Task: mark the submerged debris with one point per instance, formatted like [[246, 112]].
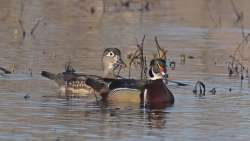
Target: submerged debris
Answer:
[[147, 6], [237, 69], [13, 68], [199, 89], [172, 65], [22, 30], [112, 114], [92, 10], [33, 29], [183, 58], [27, 96], [230, 69], [57, 139], [213, 91], [190, 57], [247, 74], [125, 3]]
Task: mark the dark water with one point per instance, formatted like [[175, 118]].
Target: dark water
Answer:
[[67, 31]]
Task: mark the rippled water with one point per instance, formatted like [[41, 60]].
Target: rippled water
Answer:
[[67, 31]]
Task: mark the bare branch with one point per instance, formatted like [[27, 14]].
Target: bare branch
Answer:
[[236, 11], [157, 45], [211, 16], [22, 30], [21, 8], [35, 27], [161, 52], [138, 57]]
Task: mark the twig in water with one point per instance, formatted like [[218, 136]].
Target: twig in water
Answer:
[[240, 17], [22, 30], [199, 89], [34, 28], [213, 91], [178, 83], [238, 14], [137, 57], [125, 3], [142, 56], [243, 43], [212, 17], [134, 57], [230, 69], [162, 53], [21, 8]]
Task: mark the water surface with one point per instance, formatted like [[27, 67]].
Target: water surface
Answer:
[[68, 31]]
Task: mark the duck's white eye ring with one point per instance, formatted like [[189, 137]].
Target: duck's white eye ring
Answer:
[[111, 54]]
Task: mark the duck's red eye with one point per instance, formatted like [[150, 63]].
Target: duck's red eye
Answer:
[[162, 69]]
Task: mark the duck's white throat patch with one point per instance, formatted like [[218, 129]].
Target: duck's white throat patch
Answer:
[[156, 76]]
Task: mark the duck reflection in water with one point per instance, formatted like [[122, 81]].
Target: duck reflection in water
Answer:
[[157, 119]]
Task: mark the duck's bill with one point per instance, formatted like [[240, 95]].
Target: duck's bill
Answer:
[[163, 74], [162, 70]]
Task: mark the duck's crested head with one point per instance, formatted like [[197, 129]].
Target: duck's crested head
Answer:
[[157, 68], [109, 51], [112, 59]]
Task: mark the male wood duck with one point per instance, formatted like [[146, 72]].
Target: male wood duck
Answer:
[[152, 93], [156, 94], [73, 83]]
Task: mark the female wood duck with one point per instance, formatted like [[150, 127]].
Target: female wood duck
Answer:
[[73, 84], [152, 93]]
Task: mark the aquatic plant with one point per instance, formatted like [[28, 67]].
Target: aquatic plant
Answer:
[[137, 58]]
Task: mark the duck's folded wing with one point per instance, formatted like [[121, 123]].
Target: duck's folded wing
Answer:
[[118, 89], [127, 84], [63, 77], [97, 83]]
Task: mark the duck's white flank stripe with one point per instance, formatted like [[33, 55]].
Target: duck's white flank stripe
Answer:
[[145, 97], [121, 89]]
